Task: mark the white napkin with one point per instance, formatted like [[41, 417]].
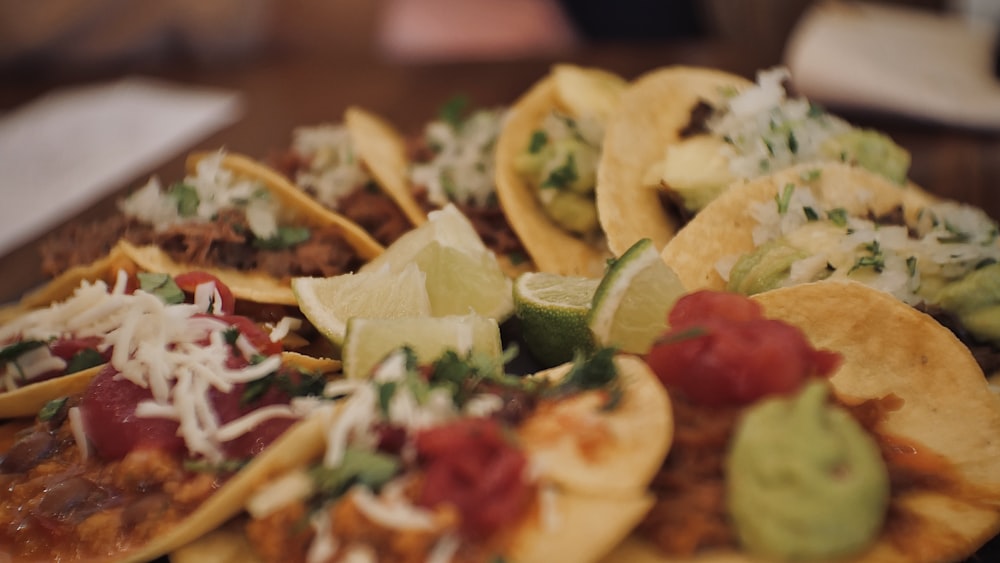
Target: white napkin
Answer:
[[897, 60], [67, 149]]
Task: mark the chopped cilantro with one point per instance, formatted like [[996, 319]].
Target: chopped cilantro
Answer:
[[538, 140], [815, 110], [186, 198], [451, 111], [372, 469], [162, 286], [517, 258], [307, 384], [564, 175], [84, 359], [286, 237], [784, 198], [875, 260], [984, 262], [764, 165], [793, 143], [911, 265], [810, 175], [13, 351], [686, 334], [50, 409], [231, 334], [770, 147], [385, 392], [838, 216], [448, 183], [810, 213], [957, 236]]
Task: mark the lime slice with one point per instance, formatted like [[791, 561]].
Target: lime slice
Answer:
[[368, 341], [447, 226], [553, 310], [459, 282], [463, 275], [328, 303], [630, 306]]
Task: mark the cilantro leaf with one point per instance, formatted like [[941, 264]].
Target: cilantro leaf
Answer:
[[452, 111], [538, 141], [564, 175], [50, 409], [84, 359], [162, 286], [186, 198], [785, 198], [13, 351], [286, 237]]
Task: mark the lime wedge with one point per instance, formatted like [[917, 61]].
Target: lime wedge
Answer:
[[553, 310], [463, 275], [630, 306], [328, 303], [368, 341]]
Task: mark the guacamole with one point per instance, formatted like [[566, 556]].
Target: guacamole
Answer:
[[804, 480]]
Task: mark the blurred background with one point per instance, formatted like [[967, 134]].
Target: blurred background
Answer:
[[69, 35]]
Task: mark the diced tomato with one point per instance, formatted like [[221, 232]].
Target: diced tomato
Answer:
[[66, 348], [232, 405], [470, 465], [723, 352], [257, 336], [190, 281], [108, 412]]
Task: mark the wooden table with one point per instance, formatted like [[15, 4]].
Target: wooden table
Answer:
[[282, 92]]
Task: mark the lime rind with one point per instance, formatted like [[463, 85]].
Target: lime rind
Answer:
[[631, 304], [553, 311]]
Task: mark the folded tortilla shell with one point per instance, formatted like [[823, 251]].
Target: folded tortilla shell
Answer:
[[654, 110], [383, 150], [551, 248], [889, 347], [724, 228], [633, 438]]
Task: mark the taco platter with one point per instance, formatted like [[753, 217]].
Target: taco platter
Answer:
[[546, 159], [230, 216], [738, 486], [467, 495], [686, 133], [825, 294]]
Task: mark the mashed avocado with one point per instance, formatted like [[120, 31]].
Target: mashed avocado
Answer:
[[696, 169], [975, 300], [871, 150], [804, 479], [765, 268]]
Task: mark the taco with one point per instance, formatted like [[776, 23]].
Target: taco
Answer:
[[334, 162], [55, 339], [835, 221], [450, 462], [686, 133], [230, 216], [450, 162], [883, 448], [546, 159], [161, 445]]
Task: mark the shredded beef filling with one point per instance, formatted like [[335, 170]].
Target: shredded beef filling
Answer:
[[225, 242]]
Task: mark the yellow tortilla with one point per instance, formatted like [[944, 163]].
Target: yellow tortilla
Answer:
[[383, 150], [654, 110], [260, 287], [724, 228], [890, 348], [590, 503], [551, 248], [636, 436]]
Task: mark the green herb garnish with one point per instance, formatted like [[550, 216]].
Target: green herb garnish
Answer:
[[785, 198], [205, 466], [13, 351], [810, 175], [162, 286], [838, 216], [793, 143], [875, 260], [185, 197], [810, 213], [564, 175], [84, 359], [372, 469], [50, 409], [451, 111], [538, 140], [286, 237]]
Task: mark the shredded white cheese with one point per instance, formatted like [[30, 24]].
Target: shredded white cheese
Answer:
[[79, 432], [334, 169], [390, 514], [278, 493]]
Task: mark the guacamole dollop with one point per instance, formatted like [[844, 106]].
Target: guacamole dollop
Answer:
[[804, 479]]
